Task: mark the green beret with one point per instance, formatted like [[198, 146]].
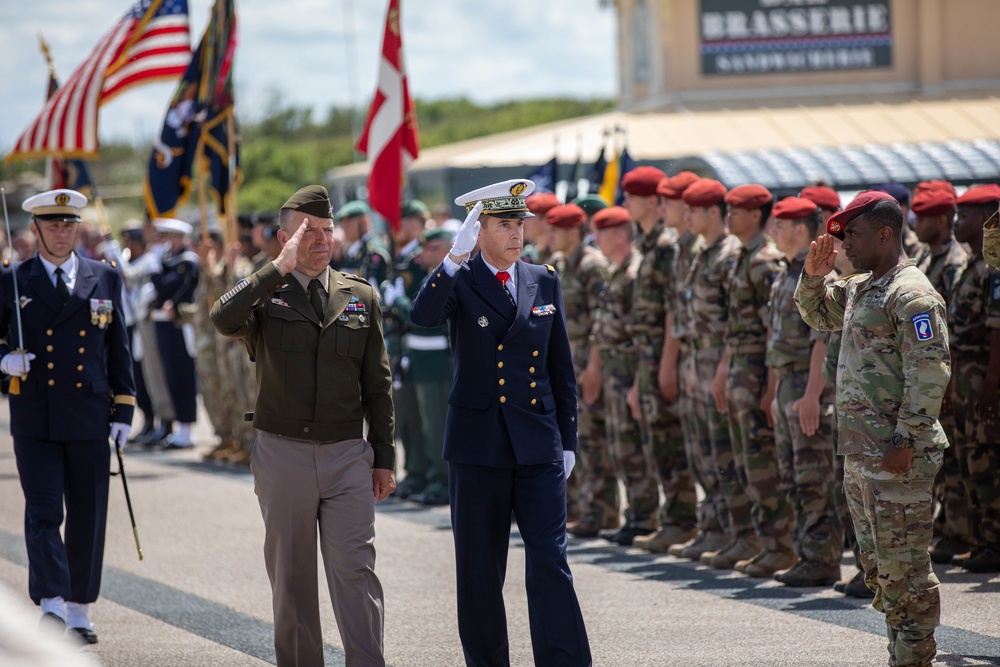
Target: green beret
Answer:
[[352, 209], [591, 204], [434, 235], [414, 208], [311, 200]]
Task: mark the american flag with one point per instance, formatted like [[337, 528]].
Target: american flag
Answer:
[[152, 42]]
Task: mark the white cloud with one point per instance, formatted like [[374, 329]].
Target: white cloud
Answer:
[[487, 50]]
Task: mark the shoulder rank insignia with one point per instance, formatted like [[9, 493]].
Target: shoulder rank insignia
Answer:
[[551, 268]]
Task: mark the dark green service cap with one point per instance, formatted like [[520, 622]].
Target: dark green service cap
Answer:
[[434, 235], [591, 204], [311, 200], [352, 209], [414, 208]]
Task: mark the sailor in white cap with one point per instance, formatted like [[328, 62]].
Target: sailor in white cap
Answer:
[[511, 432], [69, 353]]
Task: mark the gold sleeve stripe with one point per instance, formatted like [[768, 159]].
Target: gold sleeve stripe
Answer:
[[124, 399]]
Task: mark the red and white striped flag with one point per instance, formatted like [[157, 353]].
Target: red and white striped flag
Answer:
[[390, 138], [151, 43]]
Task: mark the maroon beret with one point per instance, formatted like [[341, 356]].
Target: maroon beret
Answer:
[[540, 203], [704, 192], [980, 194], [613, 216], [935, 185], [930, 203], [642, 181], [673, 187], [566, 216], [823, 196], [793, 208], [749, 196], [863, 202]]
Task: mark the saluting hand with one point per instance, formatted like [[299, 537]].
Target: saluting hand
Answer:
[[819, 261], [287, 259], [468, 234]]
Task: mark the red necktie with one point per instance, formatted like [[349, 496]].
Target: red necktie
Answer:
[[503, 277]]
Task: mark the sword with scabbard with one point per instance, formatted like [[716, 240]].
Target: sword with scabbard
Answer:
[[15, 381], [128, 498]]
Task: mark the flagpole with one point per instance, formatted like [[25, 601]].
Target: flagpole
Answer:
[[199, 160], [230, 233]]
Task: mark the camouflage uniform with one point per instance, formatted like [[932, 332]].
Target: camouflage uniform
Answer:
[[243, 370], [214, 378], [893, 369], [758, 266], [592, 492], [973, 316], [942, 268], [706, 297], [911, 243], [662, 434], [991, 242], [618, 357], [367, 258], [804, 461]]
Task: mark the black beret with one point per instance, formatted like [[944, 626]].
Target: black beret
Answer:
[[311, 200]]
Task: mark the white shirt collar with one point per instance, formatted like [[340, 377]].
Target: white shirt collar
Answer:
[[512, 270], [69, 267]]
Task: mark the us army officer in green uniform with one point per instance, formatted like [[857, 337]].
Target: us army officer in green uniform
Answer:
[[322, 372]]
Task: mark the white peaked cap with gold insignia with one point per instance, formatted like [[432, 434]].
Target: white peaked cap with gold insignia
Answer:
[[56, 205], [172, 226], [501, 200]]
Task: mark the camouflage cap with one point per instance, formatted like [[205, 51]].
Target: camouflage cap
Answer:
[[311, 200]]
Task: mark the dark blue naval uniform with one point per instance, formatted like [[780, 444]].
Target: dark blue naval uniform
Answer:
[[79, 382], [177, 282], [512, 412]]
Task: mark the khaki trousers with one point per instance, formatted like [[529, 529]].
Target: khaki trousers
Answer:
[[305, 490]]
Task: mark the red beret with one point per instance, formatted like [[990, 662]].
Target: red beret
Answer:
[[863, 202], [930, 203], [934, 185], [749, 196], [704, 192], [822, 196], [793, 208], [613, 216], [642, 181], [673, 187], [980, 194], [566, 216], [540, 203]]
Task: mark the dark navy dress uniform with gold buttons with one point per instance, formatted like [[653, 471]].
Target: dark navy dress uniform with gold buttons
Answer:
[[512, 413], [176, 282], [79, 382]]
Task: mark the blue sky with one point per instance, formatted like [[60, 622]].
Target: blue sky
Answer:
[[300, 51]]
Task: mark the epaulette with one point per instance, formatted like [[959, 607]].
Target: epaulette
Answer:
[[551, 268], [354, 277], [114, 264]]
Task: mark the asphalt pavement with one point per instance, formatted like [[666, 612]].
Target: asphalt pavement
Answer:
[[201, 597]]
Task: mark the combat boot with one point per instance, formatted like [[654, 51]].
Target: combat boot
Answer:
[[857, 588], [707, 541], [624, 535], [984, 559], [811, 573], [742, 548], [590, 526], [770, 562], [946, 549], [660, 541]]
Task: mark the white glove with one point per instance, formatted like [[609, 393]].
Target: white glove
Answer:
[[569, 460], [394, 290], [159, 250], [120, 432], [468, 233], [16, 363]]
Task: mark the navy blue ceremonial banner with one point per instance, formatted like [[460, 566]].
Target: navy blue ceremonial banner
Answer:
[[625, 165], [545, 177], [595, 177]]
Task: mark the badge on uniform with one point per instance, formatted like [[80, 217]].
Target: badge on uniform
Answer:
[[483, 322], [24, 301], [353, 299], [922, 324], [355, 308], [279, 302], [101, 312], [543, 311]]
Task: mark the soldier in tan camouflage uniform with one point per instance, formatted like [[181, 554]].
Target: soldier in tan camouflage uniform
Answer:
[[614, 229], [657, 413], [974, 323], [803, 407], [583, 271], [746, 391], [706, 296], [893, 370], [942, 261]]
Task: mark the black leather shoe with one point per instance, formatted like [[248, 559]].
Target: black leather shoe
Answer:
[[52, 621], [86, 635], [624, 535]]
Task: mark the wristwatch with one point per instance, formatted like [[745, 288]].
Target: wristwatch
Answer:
[[901, 442]]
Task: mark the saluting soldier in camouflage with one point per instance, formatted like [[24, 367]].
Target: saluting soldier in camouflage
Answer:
[[803, 408], [974, 323], [893, 370], [662, 434], [706, 297], [942, 260], [592, 493], [746, 391], [614, 228], [365, 255]]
